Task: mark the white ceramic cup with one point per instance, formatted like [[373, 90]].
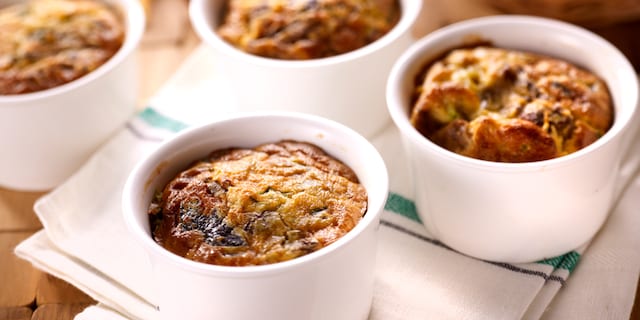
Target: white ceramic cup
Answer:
[[45, 136], [335, 282], [348, 88], [516, 212]]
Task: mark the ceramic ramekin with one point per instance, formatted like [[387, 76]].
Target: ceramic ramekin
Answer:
[[335, 282], [47, 135], [526, 211], [348, 88]]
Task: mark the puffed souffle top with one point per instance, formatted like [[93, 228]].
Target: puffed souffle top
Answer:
[[509, 106], [306, 29], [256, 206], [48, 43]]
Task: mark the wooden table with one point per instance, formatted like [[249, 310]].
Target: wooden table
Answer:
[[27, 293]]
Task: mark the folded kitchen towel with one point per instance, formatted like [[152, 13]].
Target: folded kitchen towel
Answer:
[[85, 242]]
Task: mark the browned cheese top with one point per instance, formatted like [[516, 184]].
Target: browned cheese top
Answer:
[[258, 206], [47, 43], [509, 106], [306, 29]]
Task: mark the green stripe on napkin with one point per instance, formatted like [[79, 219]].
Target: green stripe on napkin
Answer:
[[567, 261], [402, 206], [157, 120]]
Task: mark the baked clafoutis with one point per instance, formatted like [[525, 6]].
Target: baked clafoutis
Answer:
[[257, 206], [306, 29], [505, 105], [48, 43]]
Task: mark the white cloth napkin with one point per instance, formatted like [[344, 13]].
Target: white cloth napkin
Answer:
[[85, 241]]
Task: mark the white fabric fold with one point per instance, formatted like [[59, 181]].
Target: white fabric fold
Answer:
[[85, 241]]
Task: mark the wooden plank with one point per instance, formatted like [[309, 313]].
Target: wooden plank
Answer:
[[146, 4], [18, 278], [167, 41], [16, 210], [52, 290], [15, 313], [158, 64], [167, 22], [58, 311]]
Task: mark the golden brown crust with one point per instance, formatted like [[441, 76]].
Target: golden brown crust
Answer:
[[257, 206], [47, 43], [509, 106], [306, 29]]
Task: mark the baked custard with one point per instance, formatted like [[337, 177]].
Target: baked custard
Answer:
[[47, 43], [268, 204], [306, 29], [510, 106]]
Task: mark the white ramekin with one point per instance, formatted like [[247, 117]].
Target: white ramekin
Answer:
[[526, 211], [46, 135], [348, 88], [335, 282]]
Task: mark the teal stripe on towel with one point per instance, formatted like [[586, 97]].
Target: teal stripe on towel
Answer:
[[157, 120], [402, 206], [567, 261]]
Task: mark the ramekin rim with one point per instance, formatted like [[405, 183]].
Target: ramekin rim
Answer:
[[401, 120], [141, 171]]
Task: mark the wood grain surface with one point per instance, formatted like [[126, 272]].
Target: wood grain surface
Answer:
[[27, 293]]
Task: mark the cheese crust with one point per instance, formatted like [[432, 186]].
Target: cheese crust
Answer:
[[306, 29], [509, 106], [47, 43], [258, 206]]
